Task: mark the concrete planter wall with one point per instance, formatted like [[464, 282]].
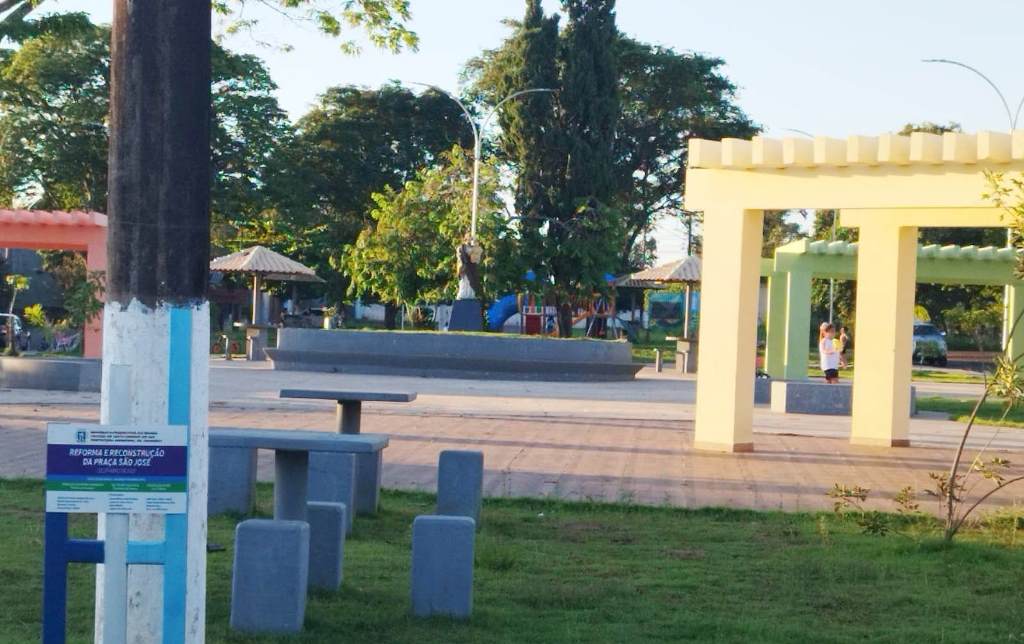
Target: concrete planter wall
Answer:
[[809, 397], [452, 355], [63, 374]]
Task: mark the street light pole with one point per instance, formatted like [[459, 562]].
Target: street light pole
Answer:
[[478, 133], [1012, 118]]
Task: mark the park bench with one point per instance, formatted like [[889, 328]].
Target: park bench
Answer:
[[233, 467], [349, 403]]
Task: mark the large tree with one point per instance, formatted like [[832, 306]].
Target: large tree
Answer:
[[562, 144], [383, 22], [353, 143], [407, 255], [667, 98], [54, 100]]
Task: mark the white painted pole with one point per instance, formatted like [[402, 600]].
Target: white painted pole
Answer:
[[478, 134], [476, 183], [111, 624]]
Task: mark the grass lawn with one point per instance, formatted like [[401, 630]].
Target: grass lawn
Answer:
[[960, 409], [550, 571], [919, 375]]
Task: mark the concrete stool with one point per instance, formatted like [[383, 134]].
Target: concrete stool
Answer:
[[369, 469], [332, 479], [232, 480], [442, 566], [460, 483], [271, 569], [326, 544]]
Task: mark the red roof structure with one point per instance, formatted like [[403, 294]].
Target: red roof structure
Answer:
[[58, 230]]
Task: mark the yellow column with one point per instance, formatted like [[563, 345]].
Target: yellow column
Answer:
[[730, 276], [886, 276]]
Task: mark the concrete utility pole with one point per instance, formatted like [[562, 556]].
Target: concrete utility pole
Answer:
[[156, 318]]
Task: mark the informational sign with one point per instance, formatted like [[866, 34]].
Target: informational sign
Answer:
[[116, 468]]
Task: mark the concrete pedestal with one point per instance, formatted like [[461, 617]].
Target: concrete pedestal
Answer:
[[460, 482], [271, 571], [326, 544], [467, 315], [442, 566]]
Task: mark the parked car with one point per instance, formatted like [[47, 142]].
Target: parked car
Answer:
[[929, 345], [20, 334]]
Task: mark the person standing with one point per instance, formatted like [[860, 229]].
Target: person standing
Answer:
[[829, 354], [844, 342]]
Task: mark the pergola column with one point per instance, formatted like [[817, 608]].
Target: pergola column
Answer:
[[798, 323], [1014, 309], [775, 326], [728, 329], [95, 260], [886, 277]]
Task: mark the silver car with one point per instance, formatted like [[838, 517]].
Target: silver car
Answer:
[[929, 345]]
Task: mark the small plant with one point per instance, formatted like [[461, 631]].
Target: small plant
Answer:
[[82, 299], [16, 284], [849, 501]]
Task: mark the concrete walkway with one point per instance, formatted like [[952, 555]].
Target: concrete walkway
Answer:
[[603, 441]]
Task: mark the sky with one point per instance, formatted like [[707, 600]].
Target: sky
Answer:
[[832, 68]]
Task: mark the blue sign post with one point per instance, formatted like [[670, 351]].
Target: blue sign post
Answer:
[[113, 469]]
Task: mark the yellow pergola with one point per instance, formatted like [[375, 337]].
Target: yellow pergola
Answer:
[[888, 187]]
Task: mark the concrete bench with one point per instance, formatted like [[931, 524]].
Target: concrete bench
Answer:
[[236, 448], [810, 397], [349, 410]]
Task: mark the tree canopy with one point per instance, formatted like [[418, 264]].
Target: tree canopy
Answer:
[[54, 99], [353, 143], [407, 255], [664, 99]]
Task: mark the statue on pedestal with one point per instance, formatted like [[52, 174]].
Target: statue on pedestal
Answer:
[[468, 257], [466, 311]]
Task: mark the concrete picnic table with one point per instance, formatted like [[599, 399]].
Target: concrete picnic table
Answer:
[[291, 463], [349, 403]]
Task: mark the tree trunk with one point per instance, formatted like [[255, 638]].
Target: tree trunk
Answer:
[[390, 315], [564, 309]]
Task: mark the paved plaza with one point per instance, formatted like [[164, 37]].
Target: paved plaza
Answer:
[[602, 441]]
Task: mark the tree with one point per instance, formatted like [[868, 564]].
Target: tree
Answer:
[[667, 98], [938, 299], [15, 284], [53, 107], [561, 145], [383, 21], [54, 100], [978, 323], [408, 254], [353, 143]]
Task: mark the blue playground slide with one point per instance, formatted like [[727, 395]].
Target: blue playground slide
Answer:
[[501, 310]]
